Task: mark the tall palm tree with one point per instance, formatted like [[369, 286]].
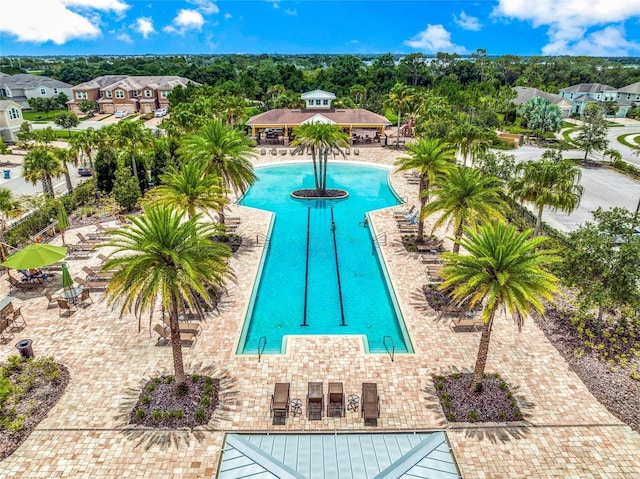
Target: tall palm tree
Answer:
[[188, 188], [41, 164], [9, 208], [466, 198], [431, 157], [397, 98], [86, 142], [164, 257], [226, 154], [503, 268], [320, 139], [132, 138], [547, 182], [470, 140], [65, 155]]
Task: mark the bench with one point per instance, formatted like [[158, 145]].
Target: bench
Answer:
[[465, 324]]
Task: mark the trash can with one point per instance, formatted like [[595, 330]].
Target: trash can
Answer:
[[24, 348], [7, 174]]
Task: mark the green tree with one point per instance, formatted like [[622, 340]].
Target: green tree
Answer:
[[64, 155], [126, 188], [41, 164], [542, 115], [85, 142], [67, 120], [470, 140], [593, 134], [602, 261], [431, 158], [320, 139], [547, 182], [189, 188], [165, 258], [62, 100], [85, 106], [132, 138], [226, 154], [503, 269], [466, 197], [9, 208], [397, 99]]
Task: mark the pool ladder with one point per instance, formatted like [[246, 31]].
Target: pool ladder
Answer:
[[262, 239], [393, 348], [380, 239], [262, 343]]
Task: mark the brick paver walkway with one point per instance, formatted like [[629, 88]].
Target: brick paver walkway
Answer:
[[567, 432]]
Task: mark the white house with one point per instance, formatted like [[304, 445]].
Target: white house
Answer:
[[623, 98], [10, 119], [21, 87], [318, 99]]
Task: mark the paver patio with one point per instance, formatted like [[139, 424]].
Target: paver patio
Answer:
[[567, 432]]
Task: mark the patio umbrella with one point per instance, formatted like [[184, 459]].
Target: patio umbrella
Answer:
[[67, 282], [63, 219], [35, 255]]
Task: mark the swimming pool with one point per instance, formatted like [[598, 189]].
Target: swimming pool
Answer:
[[321, 296]]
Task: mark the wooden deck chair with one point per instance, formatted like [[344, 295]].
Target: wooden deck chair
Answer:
[[93, 284], [315, 400], [84, 296], [465, 324], [15, 314], [185, 326], [370, 402], [280, 401], [84, 240], [335, 400], [5, 332], [17, 284], [64, 306], [404, 213], [164, 335], [51, 299]]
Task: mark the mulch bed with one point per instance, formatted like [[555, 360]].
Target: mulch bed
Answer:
[[494, 404], [232, 240], [612, 386], [159, 394], [312, 193], [47, 395]]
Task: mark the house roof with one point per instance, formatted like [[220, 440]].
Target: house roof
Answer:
[[525, 94], [298, 117], [134, 83], [24, 80], [319, 456], [318, 95], [6, 104], [589, 88], [634, 88]]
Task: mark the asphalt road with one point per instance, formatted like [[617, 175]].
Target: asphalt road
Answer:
[[19, 186]]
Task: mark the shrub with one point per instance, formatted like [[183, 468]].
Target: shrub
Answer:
[[140, 414], [157, 414], [473, 415], [205, 401], [145, 400], [126, 189], [200, 414]]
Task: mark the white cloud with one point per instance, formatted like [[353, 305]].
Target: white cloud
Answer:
[[227, 16], [467, 22], [433, 40], [276, 3], [185, 20], [569, 21], [144, 26], [292, 12], [124, 37], [57, 21], [609, 41], [205, 6]]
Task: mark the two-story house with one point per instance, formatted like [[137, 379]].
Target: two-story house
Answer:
[[623, 98], [134, 94], [22, 87], [10, 119]]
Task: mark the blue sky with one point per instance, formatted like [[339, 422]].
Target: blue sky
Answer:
[[129, 27]]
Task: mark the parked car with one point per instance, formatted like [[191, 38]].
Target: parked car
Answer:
[[160, 112], [121, 113], [85, 171]]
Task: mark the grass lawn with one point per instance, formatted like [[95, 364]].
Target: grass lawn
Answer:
[[629, 140], [40, 115], [65, 134]]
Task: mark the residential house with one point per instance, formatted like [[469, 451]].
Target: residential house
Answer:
[[626, 98], [524, 94], [10, 119], [584, 93], [22, 87], [276, 126], [134, 94]]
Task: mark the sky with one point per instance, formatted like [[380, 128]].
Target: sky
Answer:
[[138, 27]]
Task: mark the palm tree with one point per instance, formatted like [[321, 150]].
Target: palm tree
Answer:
[[466, 198], [9, 208], [431, 157], [133, 138], [188, 188], [470, 140], [505, 269], [320, 139], [226, 154], [397, 98], [41, 164], [164, 257], [86, 141], [65, 155], [547, 183]]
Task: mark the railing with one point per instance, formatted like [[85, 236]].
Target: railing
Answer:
[[393, 348], [260, 237], [262, 343], [380, 239]]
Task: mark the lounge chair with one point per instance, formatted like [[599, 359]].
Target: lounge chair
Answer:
[[263, 151], [93, 284], [335, 400], [347, 151], [315, 400], [93, 275], [274, 152], [433, 275], [280, 401], [465, 324], [185, 326], [52, 300], [411, 218], [100, 229], [16, 283], [370, 402], [404, 214], [65, 306], [84, 240], [164, 335], [356, 151], [122, 220]]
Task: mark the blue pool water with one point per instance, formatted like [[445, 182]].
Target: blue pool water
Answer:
[[278, 304]]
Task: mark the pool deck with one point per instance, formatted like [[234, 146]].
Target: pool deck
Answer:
[[567, 433]]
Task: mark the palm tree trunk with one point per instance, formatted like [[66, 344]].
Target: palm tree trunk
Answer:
[[457, 236], [67, 179], [315, 169], [398, 132], [176, 344], [483, 353], [538, 228], [134, 166], [324, 172], [94, 175], [599, 321], [423, 202]]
